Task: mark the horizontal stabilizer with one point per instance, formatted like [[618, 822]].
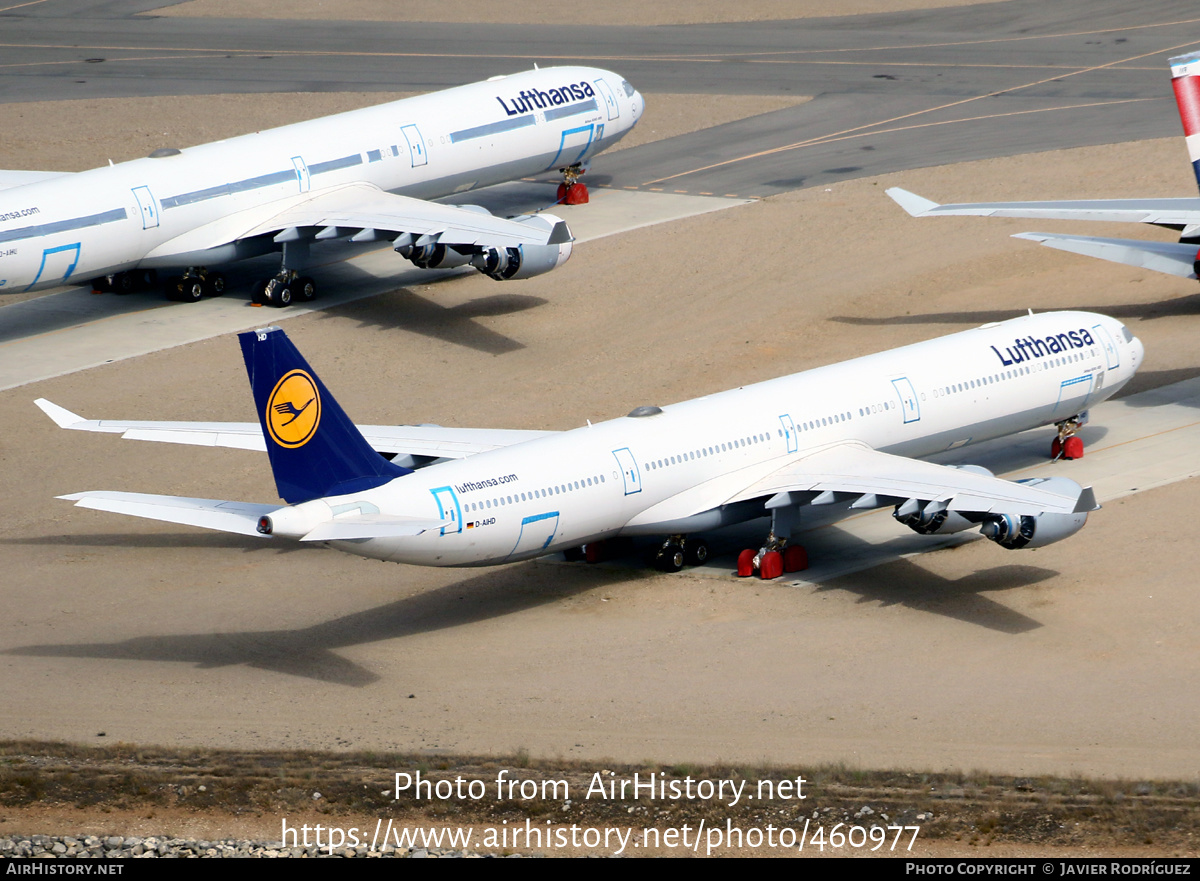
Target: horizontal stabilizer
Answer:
[[372, 526], [1173, 258], [237, 517]]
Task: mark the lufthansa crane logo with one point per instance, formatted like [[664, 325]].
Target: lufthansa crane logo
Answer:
[[293, 410]]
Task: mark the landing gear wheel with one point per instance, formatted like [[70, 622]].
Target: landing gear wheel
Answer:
[[282, 295], [669, 558], [1072, 447], [696, 553], [1055, 449], [746, 563], [214, 285], [305, 289], [122, 283], [258, 294], [770, 566], [795, 558], [188, 290]]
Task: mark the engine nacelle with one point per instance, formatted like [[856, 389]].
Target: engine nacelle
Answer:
[[940, 523], [525, 261], [944, 522], [1015, 532], [433, 256]]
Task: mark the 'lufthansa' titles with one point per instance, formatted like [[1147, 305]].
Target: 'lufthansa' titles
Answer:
[[528, 100], [1030, 347]]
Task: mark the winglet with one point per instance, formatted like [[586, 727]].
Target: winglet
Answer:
[[62, 417], [560, 234], [1086, 501], [916, 206]]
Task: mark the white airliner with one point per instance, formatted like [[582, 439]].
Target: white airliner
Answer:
[[365, 176], [1174, 258], [848, 434]]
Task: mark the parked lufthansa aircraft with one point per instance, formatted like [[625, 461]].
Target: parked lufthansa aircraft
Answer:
[[1183, 215], [848, 434], [363, 176]]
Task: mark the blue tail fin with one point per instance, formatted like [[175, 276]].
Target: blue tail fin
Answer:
[[315, 449]]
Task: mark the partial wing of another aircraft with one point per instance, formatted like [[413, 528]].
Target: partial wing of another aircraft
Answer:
[[1180, 258]]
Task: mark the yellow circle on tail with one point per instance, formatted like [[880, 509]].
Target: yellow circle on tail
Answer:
[[293, 410]]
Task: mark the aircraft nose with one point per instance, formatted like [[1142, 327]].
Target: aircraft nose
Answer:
[[1138, 351]]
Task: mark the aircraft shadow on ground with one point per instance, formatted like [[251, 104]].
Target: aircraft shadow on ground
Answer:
[[905, 583], [310, 652], [403, 309]]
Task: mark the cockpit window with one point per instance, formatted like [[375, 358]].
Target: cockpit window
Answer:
[[1125, 332], [628, 87]]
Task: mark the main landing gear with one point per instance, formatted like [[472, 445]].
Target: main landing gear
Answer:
[[672, 555], [125, 282], [284, 288], [195, 284], [773, 559], [571, 191], [679, 551], [1068, 444]]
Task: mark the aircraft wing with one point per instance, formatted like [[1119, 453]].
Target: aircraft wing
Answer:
[[1161, 212], [364, 208], [869, 479], [428, 441], [10, 179], [1173, 258]]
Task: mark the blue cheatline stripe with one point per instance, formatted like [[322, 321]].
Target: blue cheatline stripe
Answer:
[[45, 229], [335, 164], [570, 110], [228, 189], [482, 131]]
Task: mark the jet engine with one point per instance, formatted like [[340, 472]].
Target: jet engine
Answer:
[[929, 520], [433, 256], [526, 261], [1014, 532]]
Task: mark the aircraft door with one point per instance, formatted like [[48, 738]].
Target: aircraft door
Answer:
[[908, 399], [537, 531], [610, 100], [416, 146], [449, 509], [573, 146], [789, 431], [1110, 348], [57, 263], [629, 470], [148, 206], [302, 175], [1073, 394]]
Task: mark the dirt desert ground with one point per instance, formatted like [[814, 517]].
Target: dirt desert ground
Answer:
[[152, 633]]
